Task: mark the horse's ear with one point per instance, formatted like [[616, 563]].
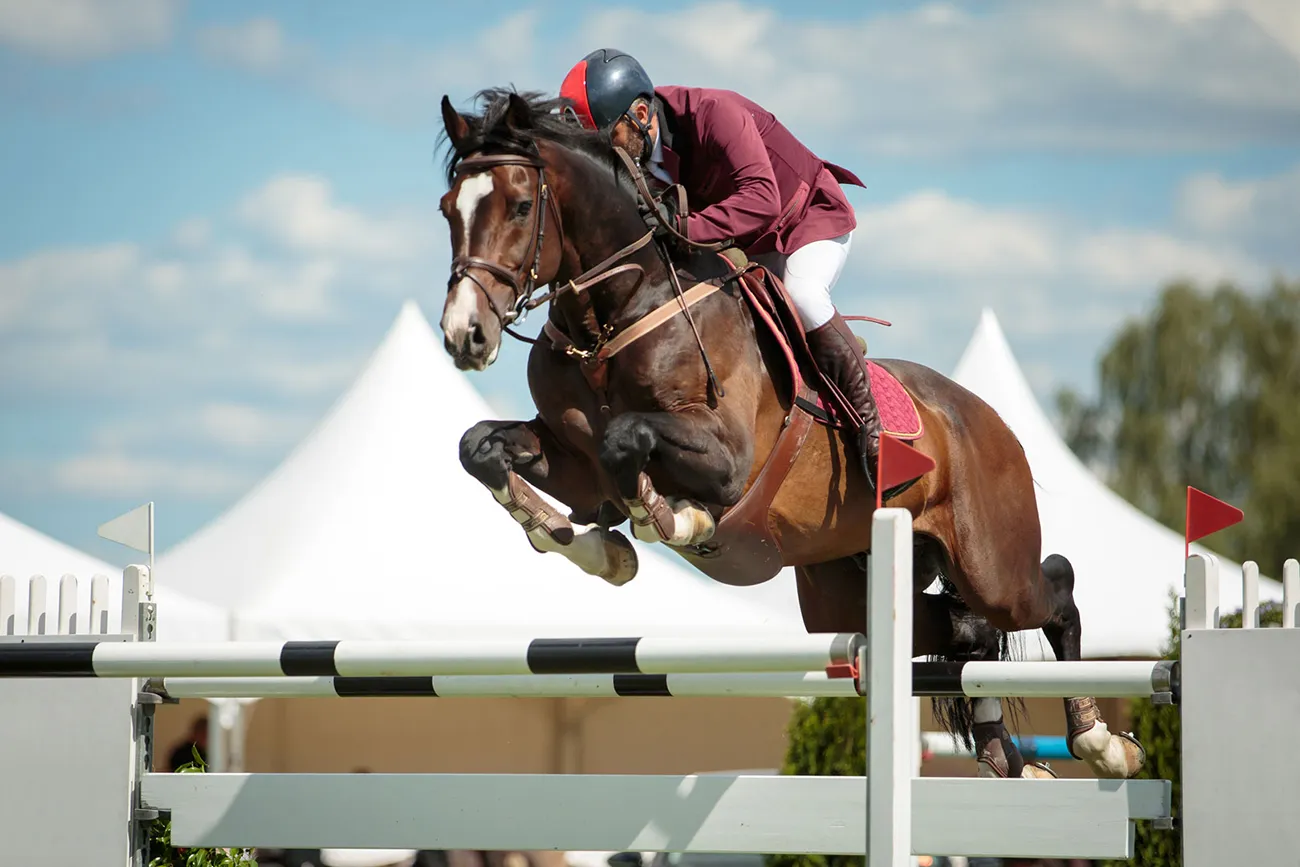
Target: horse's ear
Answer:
[[518, 114], [457, 126]]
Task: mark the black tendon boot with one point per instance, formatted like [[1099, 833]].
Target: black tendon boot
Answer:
[[839, 356]]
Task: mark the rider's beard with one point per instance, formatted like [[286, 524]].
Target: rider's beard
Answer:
[[636, 143]]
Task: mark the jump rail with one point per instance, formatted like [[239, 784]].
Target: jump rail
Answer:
[[73, 690]]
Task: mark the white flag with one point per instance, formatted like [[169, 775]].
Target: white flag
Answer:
[[134, 529]]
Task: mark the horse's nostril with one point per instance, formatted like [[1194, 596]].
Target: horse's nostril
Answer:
[[476, 335]]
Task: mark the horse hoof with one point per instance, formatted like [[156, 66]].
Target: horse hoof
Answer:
[[620, 558], [1037, 771], [1110, 756], [1135, 752]]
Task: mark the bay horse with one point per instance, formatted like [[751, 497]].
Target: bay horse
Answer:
[[690, 414]]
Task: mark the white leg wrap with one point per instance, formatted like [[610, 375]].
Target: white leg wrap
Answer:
[[986, 709], [604, 553], [691, 524]]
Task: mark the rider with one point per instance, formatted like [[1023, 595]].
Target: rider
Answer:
[[750, 181]]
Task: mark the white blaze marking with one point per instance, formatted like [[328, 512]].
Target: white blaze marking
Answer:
[[472, 191], [464, 300]]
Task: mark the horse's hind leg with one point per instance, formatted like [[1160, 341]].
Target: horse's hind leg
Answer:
[[952, 632], [1089, 739], [507, 455]]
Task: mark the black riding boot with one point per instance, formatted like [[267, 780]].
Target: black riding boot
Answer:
[[839, 356]]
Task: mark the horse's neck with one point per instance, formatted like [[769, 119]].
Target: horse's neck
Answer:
[[592, 235]]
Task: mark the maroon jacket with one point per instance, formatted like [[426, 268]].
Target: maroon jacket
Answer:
[[746, 176]]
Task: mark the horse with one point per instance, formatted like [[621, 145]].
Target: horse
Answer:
[[691, 415]]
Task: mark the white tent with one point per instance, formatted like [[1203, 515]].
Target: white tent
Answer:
[[25, 552], [372, 529], [1126, 564]]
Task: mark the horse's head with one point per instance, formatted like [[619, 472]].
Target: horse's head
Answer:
[[510, 170], [495, 208]]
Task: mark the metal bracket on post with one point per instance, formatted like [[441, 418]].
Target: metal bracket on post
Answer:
[[1166, 685]]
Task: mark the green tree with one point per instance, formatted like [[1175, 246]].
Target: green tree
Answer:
[[1202, 391]]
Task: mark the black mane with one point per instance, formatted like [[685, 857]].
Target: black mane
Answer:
[[488, 129]]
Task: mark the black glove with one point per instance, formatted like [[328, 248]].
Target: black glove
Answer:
[[669, 215]]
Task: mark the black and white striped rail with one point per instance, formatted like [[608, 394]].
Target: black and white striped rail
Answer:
[[973, 679], [775, 684], [521, 656]]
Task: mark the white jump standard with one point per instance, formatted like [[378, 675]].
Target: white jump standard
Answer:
[[93, 696]]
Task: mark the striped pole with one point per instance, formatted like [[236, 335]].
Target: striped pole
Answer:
[[782, 652], [777, 684]]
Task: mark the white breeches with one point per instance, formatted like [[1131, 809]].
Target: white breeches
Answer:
[[809, 274]]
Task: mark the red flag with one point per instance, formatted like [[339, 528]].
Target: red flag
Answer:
[[898, 463], [1206, 515]]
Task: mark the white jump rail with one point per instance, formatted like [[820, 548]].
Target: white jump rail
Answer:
[[887, 816]]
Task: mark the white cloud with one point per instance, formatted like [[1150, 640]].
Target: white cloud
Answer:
[[393, 82], [1262, 214], [235, 427], [1096, 74], [1140, 261], [257, 44], [1072, 76], [79, 30], [298, 212], [117, 474], [929, 262], [214, 301], [931, 232]]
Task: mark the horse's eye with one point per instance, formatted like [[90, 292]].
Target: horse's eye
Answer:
[[524, 208]]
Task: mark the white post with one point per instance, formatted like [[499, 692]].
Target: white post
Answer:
[[1202, 591], [99, 605], [889, 690], [68, 605], [215, 754], [8, 610], [36, 601], [136, 590], [1290, 594], [1249, 594]]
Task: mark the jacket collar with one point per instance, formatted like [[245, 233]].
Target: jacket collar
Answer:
[[663, 149]]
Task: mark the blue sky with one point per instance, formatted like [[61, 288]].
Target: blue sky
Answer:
[[210, 213]]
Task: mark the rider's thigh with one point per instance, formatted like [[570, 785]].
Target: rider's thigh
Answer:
[[811, 272]]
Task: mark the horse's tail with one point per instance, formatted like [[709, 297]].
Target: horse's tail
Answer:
[[956, 714]]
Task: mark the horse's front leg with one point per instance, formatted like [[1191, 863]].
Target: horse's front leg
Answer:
[[698, 456], [506, 456]]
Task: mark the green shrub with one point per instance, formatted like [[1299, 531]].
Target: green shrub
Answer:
[[163, 854]]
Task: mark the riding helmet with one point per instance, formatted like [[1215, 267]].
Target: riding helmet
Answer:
[[603, 85]]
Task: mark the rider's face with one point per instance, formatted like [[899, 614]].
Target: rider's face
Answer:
[[626, 136]]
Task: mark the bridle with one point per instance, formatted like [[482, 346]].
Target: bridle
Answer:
[[461, 265]]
